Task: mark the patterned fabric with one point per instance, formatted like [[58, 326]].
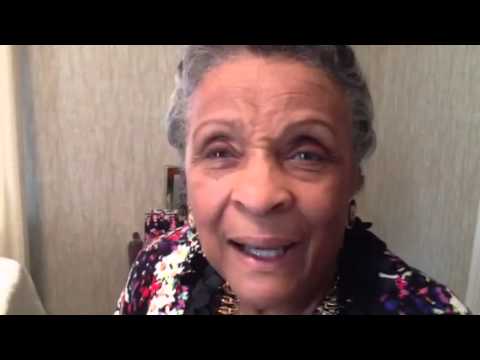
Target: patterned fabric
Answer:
[[154, 286], [172, 277], [410, 291], [160, 223]]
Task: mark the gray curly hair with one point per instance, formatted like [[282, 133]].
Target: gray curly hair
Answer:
[[338, 61]]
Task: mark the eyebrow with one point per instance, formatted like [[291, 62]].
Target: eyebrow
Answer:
[[317, 122], [230, 124]]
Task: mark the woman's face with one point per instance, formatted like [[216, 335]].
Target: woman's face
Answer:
[[270, 175]]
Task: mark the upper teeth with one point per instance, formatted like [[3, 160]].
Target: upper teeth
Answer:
[[264, 253]]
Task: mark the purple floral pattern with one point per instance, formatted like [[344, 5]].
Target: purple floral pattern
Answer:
[[411, 291], [154, 285]]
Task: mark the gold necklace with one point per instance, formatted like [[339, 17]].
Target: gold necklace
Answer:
[[230, 305]]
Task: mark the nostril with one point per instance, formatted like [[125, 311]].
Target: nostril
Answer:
[[263, 203]]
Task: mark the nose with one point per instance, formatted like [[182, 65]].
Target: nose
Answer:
[[261, 188]]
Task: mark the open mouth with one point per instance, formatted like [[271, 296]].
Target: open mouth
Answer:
[[260, 253]]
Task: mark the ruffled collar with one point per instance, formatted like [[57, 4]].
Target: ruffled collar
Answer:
[[205, 293]]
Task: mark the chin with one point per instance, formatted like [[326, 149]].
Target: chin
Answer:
[[263, 293]]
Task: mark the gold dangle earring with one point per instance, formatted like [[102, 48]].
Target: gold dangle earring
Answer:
[[191, 219]]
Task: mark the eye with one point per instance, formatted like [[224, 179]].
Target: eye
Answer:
[[306, 149], [220, 157], [218, 154], [308, 156]]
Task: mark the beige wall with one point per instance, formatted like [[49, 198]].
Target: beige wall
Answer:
[[423, 188], [13, 240], [95, 153], [95, 161]]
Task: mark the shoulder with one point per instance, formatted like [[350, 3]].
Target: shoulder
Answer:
[[151, 283], [404, 289], [378, 282]]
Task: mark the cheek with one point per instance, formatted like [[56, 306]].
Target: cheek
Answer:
[[207, 195], [208, 198], [326, 200], [207, 192], [325, 209]]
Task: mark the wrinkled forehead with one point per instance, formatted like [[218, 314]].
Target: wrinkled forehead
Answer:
[[267, 86]]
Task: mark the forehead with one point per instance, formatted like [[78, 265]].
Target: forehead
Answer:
[[252, 83]]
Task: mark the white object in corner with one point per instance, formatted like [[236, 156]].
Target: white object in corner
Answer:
[[18, 295]]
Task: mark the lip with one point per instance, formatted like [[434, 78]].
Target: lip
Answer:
[[263, 242], [265, 264]]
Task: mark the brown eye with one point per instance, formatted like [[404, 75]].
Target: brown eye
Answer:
[[309, 156], [220, 157], [306, 149], [217, 154]]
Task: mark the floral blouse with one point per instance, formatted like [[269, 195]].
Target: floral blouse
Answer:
[[172, 277]]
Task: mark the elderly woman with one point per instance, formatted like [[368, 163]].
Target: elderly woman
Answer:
[[273, 138]]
